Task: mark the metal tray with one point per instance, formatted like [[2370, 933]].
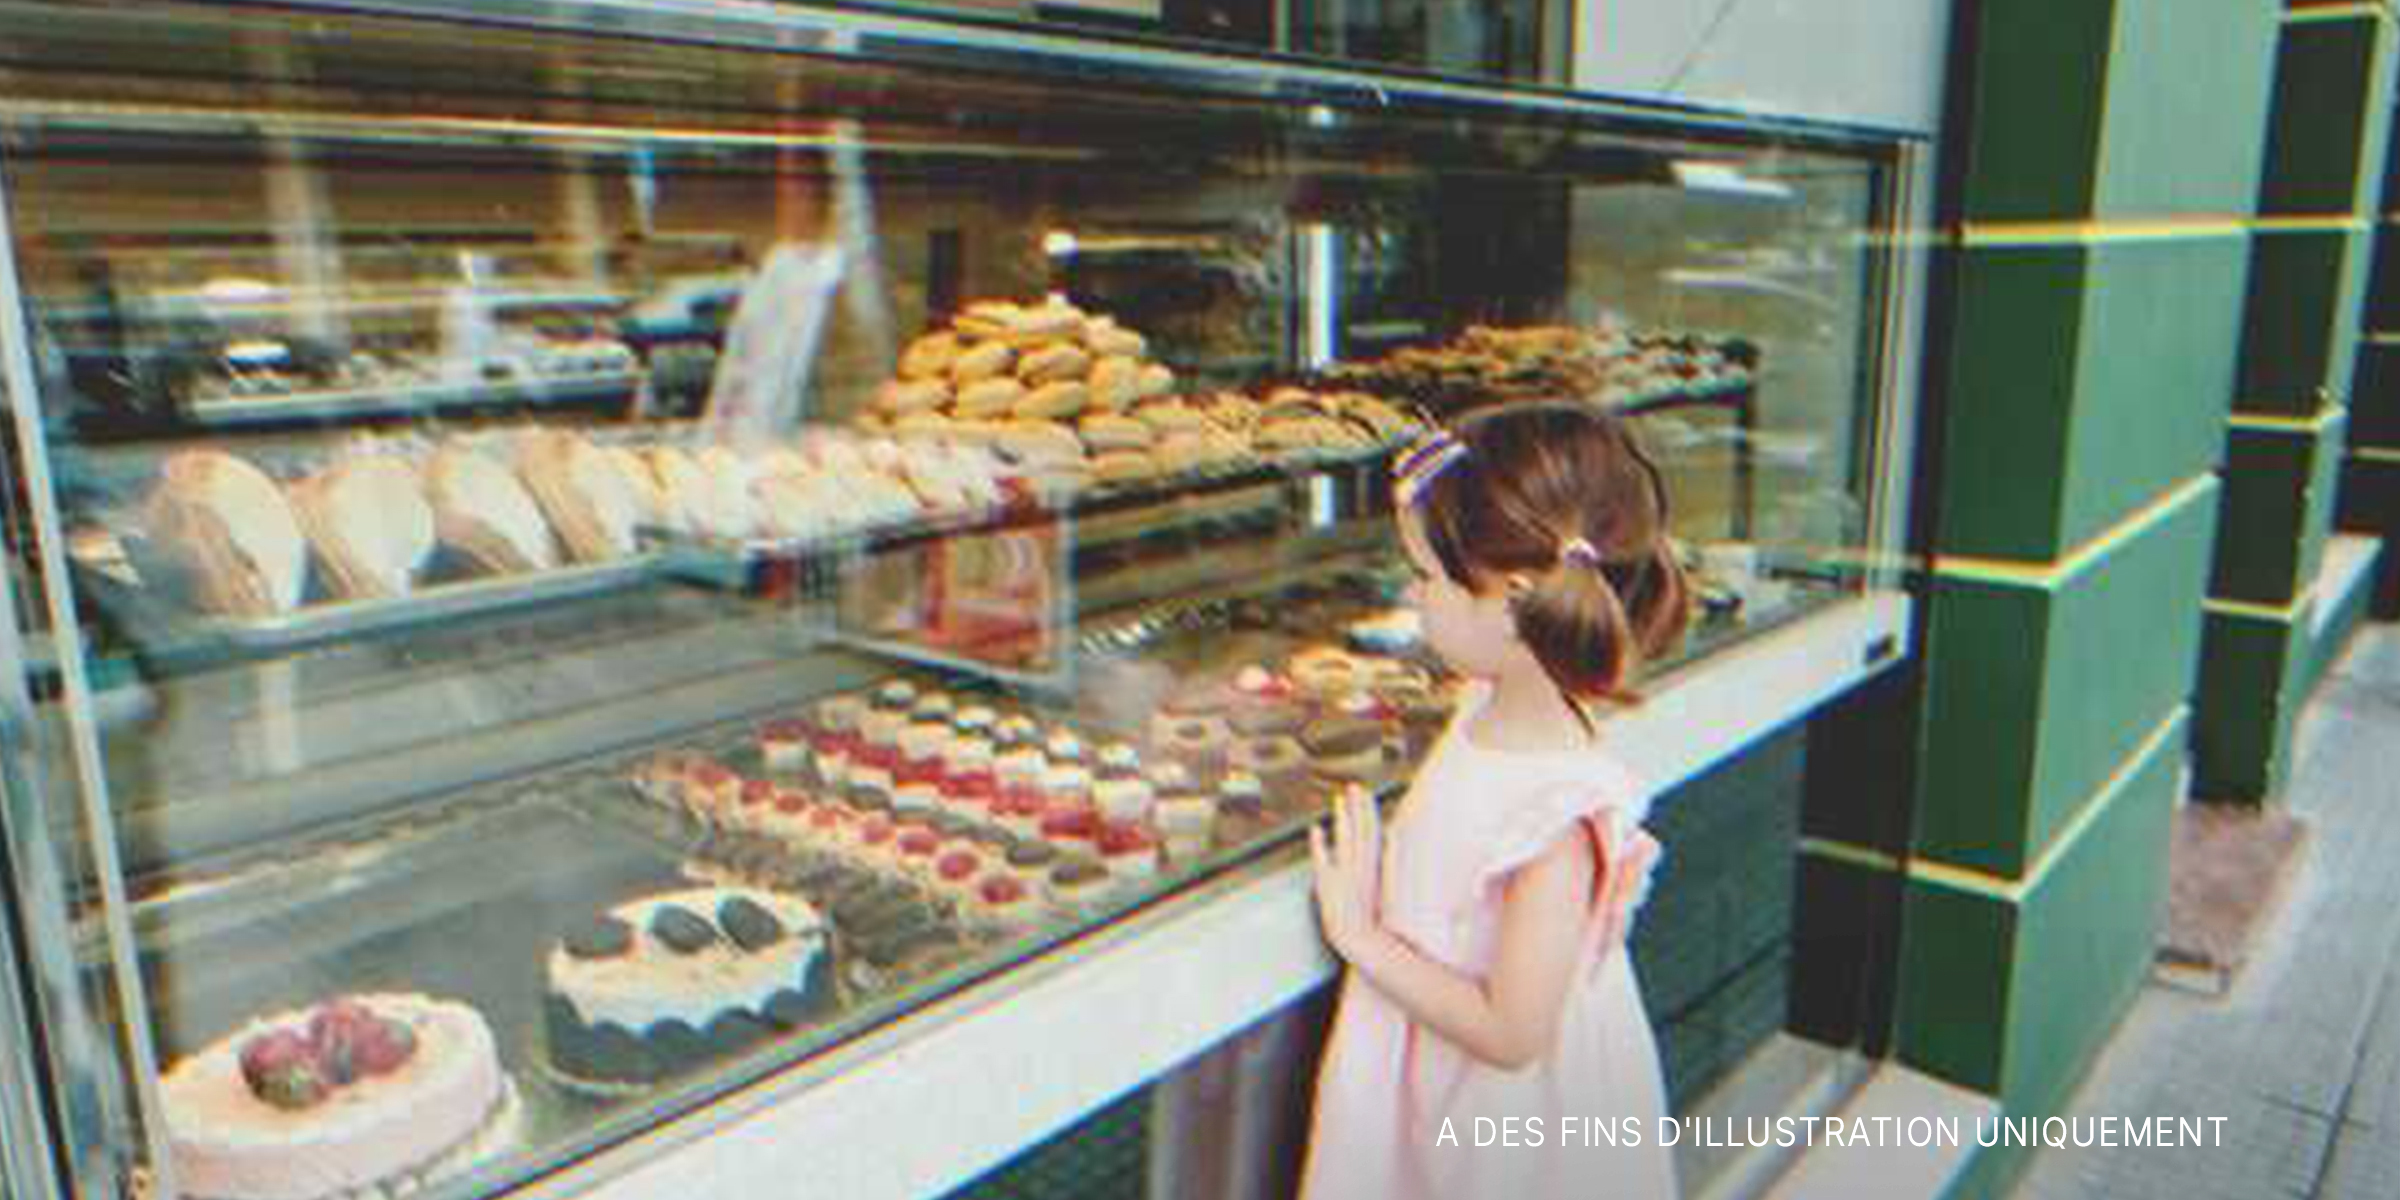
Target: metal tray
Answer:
[[163, 623]]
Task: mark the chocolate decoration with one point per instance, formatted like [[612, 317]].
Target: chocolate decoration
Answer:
[[749, 924], [790, 1009], [676, 1045], [735, 1032], [600, 937], [681, 930], [618, 1054], [1032, 855]]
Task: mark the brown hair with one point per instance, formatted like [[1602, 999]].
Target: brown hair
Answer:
[[1558, 501]]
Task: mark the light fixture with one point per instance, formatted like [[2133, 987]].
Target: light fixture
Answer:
[[1726, 179]]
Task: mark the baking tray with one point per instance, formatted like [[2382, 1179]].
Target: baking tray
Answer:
[[161, 622]]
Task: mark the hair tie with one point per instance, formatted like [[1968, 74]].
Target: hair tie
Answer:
[[1417, 468], [1577, 550]]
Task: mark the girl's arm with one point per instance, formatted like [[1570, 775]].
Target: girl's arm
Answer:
[[1510, 1017]]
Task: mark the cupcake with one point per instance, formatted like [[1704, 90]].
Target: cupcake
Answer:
[[969, 775], [975, 720], [1128, 851], [897, 696], [1066, 786], [837, 721], [1169, 776], [1185, 821], [1070, 828], [1020, 767], [1020, 810], [1064, 747], [1123, 800], [1241, 794], [921, 748], [785, 745], [758, 799], [917, 799], [1012, 732], [710, 790], [934, 706], [1117, 760], [879, 740]]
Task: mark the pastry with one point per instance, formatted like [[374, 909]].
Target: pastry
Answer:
[[368, 522], [989, 398], [1324, 672], [582, 493], [987, 360], [1128, 851], [1344, 747], [1040, 442], [1123, 466], [1155, 380], [1273, 757], [1185, 820], [1053, 364], [362, 1095], [231, 531], [1115, 381], [1105, 432], [1241, 793], [930, 356], [785, 745], [1070, 827], [659, 985], [481, 512], [1104, 336], [1195, 738], [900, 398], [1051, 401], [1123, 800]]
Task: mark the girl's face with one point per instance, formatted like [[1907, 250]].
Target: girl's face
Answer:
[[1474, 633]]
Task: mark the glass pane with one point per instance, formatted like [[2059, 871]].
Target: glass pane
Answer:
[[616, 567]]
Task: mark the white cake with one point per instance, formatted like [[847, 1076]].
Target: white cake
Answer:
[[292, 1126]]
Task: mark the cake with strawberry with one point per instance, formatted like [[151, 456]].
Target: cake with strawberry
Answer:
[[359, 1096]]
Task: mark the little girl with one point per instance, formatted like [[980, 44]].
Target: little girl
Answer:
[[1487, 991]]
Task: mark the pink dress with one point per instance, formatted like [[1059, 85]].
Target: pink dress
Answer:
[[1388, 1086]]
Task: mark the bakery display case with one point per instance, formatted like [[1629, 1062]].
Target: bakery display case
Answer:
[[573, 565]]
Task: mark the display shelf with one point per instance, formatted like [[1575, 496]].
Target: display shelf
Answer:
[[827, 228], [914, 1108]]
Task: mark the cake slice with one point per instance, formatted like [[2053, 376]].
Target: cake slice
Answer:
[[231, 530], [369, 524], [483, 513], [587, 499]]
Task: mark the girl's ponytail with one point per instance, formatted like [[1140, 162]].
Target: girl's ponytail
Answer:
[[1592, 624], [1558, 503]]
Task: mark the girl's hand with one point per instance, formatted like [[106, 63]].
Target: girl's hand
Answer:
[[1347, 870], [1630, 857]]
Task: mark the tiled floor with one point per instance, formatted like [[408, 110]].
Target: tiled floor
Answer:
[[2302, 1059]]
